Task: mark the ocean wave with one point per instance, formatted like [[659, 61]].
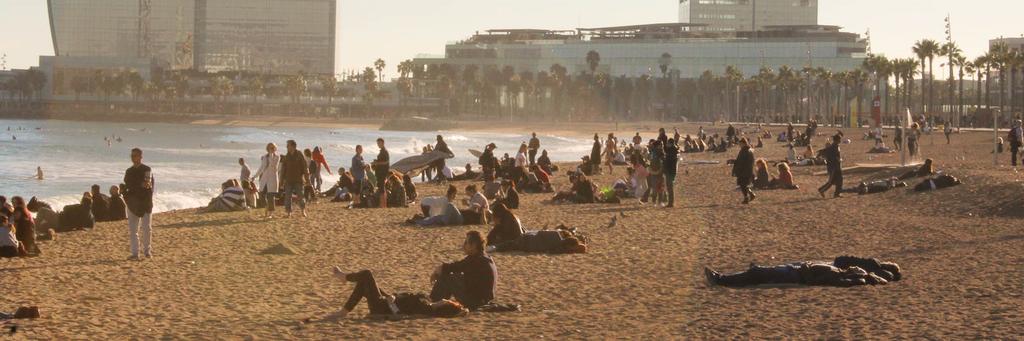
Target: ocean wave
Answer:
[[162, 201]]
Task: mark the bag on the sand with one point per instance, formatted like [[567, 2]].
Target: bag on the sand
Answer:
[[27, 313]]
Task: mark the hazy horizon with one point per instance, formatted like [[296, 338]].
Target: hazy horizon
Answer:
[[398, 30]]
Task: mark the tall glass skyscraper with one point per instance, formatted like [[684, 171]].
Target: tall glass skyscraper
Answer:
[[267, 36]]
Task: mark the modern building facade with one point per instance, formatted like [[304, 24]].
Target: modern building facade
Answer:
[[633, 51], [267, 36], [748, 15]]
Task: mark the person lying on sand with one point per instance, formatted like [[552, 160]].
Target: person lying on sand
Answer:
[[843, 271], [878, 186], [562, 240], [938, 182], [382, 303], [880, 148]]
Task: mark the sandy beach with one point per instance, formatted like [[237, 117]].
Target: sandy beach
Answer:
[[642, 279]]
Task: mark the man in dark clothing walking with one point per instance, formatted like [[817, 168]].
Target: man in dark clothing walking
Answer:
[[671, 162], [834, 163], [534, 147], [1016, 139], [595, 155], [138, 197], [743, 170], [294, 176]]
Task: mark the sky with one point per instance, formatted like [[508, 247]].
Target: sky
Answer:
[[397, 30]]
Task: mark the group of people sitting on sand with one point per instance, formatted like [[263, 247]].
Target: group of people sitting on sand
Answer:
[[26, 221]]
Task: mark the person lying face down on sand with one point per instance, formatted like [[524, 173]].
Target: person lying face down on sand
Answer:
[[561, 240], [843, 271]]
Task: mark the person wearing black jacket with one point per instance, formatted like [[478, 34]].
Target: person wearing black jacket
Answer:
[[138, 197], [595, 155], [534, 147], [294, 177], [488, 163], [471, 281], [843, 271], [116, 209], [671, 162], [438, 165], [834, 163], [382, 303], [100, 204], [743, 170]]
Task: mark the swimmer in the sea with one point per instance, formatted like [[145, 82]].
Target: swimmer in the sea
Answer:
[[39, 173]]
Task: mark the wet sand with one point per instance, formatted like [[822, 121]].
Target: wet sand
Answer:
[[959, 249]]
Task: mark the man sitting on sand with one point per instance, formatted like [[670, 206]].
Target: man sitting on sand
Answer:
[[439, 211], [383, 304], [844, 271], [469, 174], [476, 212], [116, 211], [231, 198]]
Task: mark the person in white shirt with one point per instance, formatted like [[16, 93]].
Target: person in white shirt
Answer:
[[476, 212], [8, 241], [268, 176]]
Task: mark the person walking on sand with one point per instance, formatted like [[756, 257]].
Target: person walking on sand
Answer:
[[534, 147], [834, 163], [595, 155], [317, 159], [382, 167], [138, 196], [671, 162], [743, 170], [268, 178], [294, 176]]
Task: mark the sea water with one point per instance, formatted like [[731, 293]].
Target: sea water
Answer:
[[191, 161]]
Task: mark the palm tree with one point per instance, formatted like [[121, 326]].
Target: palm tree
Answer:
[[593, 60], [255, 86], [558, 78], [963, 66], [926, 49], [295, 86], [369, 80], [950, 50], [133, 81], [733, 77], [1000, 59], [221, 87], [379, 65], [663, 63], [980, 64]]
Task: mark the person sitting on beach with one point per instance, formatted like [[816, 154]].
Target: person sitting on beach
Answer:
[[472, 280], [343, 189], [25, 226], [586, 167], [439, 211], [116, 211], [582, 192], [760, 144], [76, 217], [9, 245], [538, 181], [46, 217], [762, 177], [231, 199], [469, 174], [545, 162], [6, 209], [785, 179], [507, 226], [880, 148], [938, 182], [396, 191], [477, 207], [843, 271], [488, 162], [100, 203], [507, 195], [381, 303], [877, 186], [410, 188], [926, 169]]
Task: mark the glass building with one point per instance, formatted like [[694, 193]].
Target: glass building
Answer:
[[268, 36], [748, 15], [633, 51]]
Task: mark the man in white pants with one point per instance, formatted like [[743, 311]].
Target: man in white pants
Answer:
[[138, 197]]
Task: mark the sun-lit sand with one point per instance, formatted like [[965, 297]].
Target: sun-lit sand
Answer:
[[960, 250]]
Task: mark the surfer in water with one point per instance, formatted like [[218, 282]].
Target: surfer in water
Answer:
[[39, 173]]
